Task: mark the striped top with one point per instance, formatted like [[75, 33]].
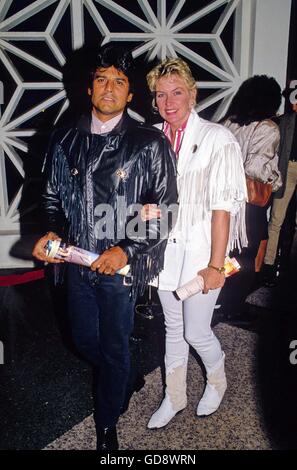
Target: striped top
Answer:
[[178, 137]]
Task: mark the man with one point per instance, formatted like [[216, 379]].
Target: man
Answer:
[[106, 162], [282, 198]]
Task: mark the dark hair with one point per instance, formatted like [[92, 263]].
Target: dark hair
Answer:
[[117, 56], [257, 98]]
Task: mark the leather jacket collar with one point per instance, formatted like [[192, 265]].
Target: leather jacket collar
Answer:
[[84, 124]]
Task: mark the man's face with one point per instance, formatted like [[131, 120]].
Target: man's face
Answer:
[[109, 93]]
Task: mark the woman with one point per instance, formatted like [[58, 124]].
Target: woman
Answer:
[[210, 221], [248, 118]]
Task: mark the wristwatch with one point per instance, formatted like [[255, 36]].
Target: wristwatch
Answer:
[[219, 270]]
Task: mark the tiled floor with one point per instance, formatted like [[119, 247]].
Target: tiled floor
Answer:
[[45, 388]]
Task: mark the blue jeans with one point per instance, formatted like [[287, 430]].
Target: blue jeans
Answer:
[[101, 312]]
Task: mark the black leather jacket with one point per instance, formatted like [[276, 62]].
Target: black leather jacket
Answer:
[[133, 164]]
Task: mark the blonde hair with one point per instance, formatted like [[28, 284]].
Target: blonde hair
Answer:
[[171, 66]]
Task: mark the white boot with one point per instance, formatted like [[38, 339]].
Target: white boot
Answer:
[[175, 398], [214, 391]]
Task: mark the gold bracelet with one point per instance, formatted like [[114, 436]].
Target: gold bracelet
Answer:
[[219, 270]]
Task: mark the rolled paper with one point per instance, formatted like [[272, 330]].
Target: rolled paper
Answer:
[[231, 266], [74, 254], [190, 288], [196, 285]]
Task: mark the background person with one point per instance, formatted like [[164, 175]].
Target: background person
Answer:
[[249, 119], [282, 197]]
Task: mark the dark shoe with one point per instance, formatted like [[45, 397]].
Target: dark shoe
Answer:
[[107, 439], [269, 275]]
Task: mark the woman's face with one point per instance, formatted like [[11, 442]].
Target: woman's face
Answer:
[[174, 100]]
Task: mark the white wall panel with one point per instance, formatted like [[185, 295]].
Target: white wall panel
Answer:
[[157, 28]]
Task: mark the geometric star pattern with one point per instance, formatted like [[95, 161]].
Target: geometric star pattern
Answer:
[[157, 28]]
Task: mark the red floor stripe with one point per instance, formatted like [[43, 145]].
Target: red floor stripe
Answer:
[[15, 279]]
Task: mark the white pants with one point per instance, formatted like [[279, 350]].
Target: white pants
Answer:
[[187, 323]]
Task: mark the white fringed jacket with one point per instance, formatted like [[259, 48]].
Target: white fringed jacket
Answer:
[[210, 176]]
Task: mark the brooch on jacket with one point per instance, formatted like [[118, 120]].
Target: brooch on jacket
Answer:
[[122, 174]]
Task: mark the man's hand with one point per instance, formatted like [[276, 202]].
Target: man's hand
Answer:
[[212, 279], [39, 250], [110, 261], [150, 211]]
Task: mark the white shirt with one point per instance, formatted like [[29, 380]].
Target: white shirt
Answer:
[[100, 127]]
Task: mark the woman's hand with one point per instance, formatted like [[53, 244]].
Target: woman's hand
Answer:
[[212, 279], [150, 211]]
